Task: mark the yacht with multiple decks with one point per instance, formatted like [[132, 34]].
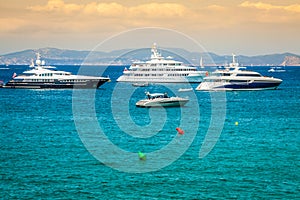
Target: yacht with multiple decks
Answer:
[[161, 70], [234, 78], [41, 77]]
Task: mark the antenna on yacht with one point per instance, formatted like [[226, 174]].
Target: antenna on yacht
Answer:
[[234, 64], [32, 63], [38, 59], [155, 54], [233, 58], [201, 62]]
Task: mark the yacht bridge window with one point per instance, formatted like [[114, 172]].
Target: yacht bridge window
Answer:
[[253, 75], [225, 74], [240, 81]]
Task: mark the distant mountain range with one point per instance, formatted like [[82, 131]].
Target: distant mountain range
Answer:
[[54, 56]]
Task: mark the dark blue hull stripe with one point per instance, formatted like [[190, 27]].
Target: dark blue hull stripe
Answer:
[[55, 85], [254, 85]]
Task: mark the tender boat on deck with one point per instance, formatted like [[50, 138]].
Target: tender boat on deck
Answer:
[[185, 89], [140, 84], [161, 100]]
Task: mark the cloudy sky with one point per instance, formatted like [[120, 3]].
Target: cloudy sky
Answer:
[[223, 27]]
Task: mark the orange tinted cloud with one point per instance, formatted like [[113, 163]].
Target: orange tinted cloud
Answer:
[[214, 22], [57, 6], [266, 6], [149, 10]]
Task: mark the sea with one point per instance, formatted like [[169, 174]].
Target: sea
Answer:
[[96, 144]]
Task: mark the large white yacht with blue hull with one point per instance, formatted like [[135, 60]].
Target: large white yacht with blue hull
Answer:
[[234, 78], [161, 70], [45, 77]]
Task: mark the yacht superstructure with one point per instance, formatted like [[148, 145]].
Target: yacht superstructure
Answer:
[[161, 70]]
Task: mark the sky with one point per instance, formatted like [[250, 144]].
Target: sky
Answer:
[[244, 27]]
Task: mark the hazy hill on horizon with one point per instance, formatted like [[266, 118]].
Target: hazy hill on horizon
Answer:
[[55, 56]]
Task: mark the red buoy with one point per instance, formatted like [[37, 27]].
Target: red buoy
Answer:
[[180, 131]]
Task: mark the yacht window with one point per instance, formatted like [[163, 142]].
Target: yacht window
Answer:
[[232, 81], [252, 75], [225, 74]]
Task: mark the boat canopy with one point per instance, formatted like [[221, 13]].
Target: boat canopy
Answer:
[[157, 95]]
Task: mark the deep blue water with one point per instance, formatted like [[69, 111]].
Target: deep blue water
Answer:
[[51, 141]]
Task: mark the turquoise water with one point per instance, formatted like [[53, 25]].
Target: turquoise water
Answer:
[[43, 155]]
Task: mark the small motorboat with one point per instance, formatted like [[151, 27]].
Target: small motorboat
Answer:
[[140, 84], [161, 100], [276, 69], [185, 89]]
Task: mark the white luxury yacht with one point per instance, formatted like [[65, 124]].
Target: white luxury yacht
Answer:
[[45, 77], [161, 70], [233, 78]]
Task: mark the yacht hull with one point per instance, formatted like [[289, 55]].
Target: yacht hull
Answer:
[[178, 102], [88, 84], [192, 79], [238, 86]]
